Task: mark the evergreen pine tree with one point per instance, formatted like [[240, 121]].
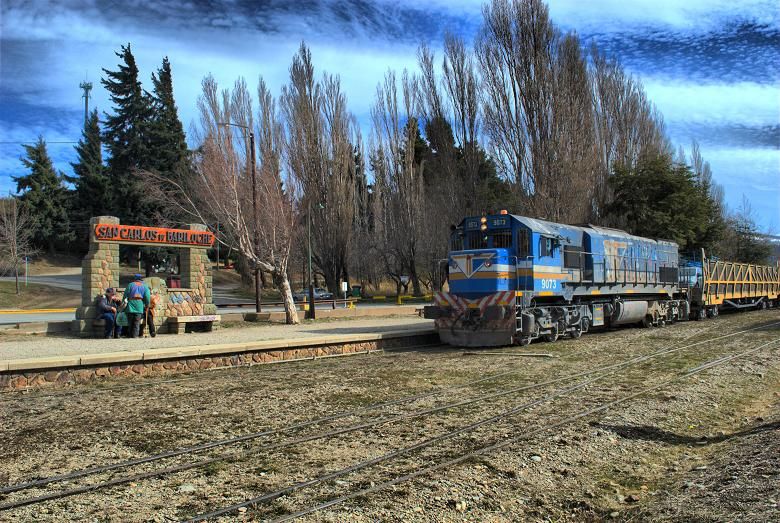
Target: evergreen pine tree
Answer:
[[93, 194], [168, 153], [126, 137], [44, 196]]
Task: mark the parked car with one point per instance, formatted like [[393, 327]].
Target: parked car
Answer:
[[319, 294]]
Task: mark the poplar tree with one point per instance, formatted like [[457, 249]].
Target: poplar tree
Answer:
[[126, 137], [44, 196], [93, 194]]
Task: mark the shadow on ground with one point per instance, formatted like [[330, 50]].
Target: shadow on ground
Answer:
[[650, 433]]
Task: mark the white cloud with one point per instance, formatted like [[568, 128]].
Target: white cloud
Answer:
[[602, 16], [754, 173], [745, 102]]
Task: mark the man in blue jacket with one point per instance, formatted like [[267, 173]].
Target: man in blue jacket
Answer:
[[106, 308], [137, 299]]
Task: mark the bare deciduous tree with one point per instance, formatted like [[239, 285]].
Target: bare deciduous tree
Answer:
[[399, 192], [16, 234], [320, 153], [222, 188], [627, 126]]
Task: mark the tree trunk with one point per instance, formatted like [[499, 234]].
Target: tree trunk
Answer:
[[332, 282], [415, 279], [283, 284], [16, 274], [247, 275]]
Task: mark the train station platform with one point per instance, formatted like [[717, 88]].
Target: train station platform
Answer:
[[54, 361]]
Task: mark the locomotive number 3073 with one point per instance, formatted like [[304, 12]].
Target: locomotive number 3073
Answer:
[[549, 284]]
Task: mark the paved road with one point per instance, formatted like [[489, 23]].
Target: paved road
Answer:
[[66, 281], [73, 282], [67, 316]]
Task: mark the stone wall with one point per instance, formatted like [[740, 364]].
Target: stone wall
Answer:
[[99, 270], [17, 380], [196, 278]]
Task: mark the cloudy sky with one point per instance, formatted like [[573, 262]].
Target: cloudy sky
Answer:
[[711, 66]]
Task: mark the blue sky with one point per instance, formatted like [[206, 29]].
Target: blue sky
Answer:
[[712, 67]]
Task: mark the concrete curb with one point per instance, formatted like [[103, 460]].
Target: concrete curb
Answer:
[[35, 311], [193, 351]]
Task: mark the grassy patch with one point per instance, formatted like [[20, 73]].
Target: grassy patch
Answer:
[[36, 296]]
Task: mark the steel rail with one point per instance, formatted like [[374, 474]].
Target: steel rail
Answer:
[[505, 443], [425, 443], [239, 439], [353, 428]]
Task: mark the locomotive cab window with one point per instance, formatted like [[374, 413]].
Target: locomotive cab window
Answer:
[[502, 239], [456, 241], [523, 243], [545, 246], [477, 240], [572, 257]]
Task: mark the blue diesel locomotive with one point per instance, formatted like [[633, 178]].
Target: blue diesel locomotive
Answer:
[[513, 279]]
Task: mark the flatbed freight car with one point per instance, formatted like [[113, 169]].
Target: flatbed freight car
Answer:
[[513, 279]]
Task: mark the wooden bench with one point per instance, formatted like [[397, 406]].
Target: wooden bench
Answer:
[[178, 324]]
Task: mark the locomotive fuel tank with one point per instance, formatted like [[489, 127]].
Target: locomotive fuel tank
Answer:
[[629, 312]]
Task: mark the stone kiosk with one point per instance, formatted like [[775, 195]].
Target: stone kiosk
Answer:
[[190, 304]]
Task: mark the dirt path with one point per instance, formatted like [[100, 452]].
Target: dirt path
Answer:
[[631, 463]]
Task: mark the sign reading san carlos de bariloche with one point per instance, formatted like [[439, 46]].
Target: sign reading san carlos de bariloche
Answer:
[[106, 232]]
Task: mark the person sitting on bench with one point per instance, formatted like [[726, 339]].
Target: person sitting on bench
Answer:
[[106, 306]]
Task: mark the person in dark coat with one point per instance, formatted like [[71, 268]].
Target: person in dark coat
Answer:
[[106, 309]]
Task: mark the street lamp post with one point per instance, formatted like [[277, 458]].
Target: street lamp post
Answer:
[[312, 313], [255, 225]]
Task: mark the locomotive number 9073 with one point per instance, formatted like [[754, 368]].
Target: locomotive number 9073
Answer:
[[549, 284]]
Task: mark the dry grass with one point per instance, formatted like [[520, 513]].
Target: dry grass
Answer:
[[55, 264], [35, 296]]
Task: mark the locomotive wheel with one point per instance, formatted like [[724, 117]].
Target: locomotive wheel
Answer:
[[585, 325], [576, 332], [551, 336], [711, 313], [523, 341], [701, 314], [647, 322]]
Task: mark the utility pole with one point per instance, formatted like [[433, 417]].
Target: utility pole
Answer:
[[258, 286], [312, 313], [86, 87], [255, 226]]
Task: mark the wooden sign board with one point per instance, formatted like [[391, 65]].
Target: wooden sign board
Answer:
[[157, 236]]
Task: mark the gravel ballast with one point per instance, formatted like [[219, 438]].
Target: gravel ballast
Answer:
[[676, 447]]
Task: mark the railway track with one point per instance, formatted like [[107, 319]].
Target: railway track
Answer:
[[601, 373], [502, 444]]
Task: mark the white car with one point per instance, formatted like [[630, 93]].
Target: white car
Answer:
[[319, 294]]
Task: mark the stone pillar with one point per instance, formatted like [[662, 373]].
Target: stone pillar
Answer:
[[99, 270], [196, 273]]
